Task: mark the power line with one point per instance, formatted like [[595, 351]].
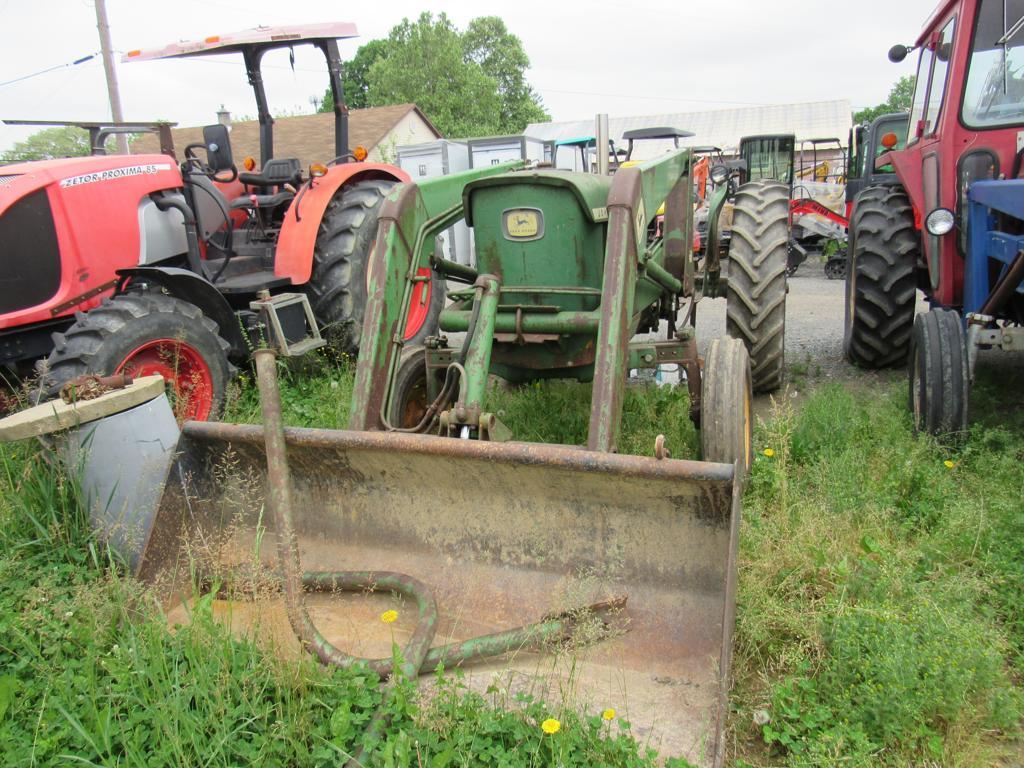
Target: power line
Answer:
[[652, 98], [49, 69]]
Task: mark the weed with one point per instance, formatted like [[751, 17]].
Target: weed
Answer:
[[880, 617]]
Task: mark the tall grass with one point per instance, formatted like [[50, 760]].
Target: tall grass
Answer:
[[880, 610], [881, 590]]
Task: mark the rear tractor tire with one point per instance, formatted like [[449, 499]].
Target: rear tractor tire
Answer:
[[338, 284], [756, 293], [141, 334], [726, 433], [881, 287], [938, 374]]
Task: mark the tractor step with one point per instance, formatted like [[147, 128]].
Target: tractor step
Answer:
[[251, 282], [288, 322]]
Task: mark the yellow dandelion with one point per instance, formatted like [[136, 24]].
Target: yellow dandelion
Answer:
[[389, 617], [769, 452], [608, 714], [550, 726], [949, 463]]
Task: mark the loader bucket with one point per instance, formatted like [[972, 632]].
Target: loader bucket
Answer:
[[503, 533]]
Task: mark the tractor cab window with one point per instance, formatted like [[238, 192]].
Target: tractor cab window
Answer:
[[924, 68], [899, 127], [769, 157], [994, 94], [931, 71], [943, 53]]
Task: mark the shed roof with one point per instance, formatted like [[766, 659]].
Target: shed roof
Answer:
[[307, 137], [721, 127]]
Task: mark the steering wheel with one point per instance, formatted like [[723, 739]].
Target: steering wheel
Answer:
[[191, 158]]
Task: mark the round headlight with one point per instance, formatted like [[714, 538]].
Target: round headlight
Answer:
[[940, 221], [719, 174]]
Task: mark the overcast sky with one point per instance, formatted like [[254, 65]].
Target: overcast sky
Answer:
[[587, 56]]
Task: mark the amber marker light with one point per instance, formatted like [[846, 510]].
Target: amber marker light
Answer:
[[889, 140], [249, 163], [359, 153], [316, 170]]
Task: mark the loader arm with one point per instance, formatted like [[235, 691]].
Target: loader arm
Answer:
[[635, 196]]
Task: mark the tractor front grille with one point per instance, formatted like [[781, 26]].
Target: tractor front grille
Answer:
[[5, 180]]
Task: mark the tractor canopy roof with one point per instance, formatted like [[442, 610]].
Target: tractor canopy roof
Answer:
[[657, 133], [579, 141], [259, 37]]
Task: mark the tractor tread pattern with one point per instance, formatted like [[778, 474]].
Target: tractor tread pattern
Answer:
[[756, 293], [941, 358], [883, 257], [725, 413], [75, 350], [337, 287]]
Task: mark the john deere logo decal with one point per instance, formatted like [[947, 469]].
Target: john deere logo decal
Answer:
[[523, 223]]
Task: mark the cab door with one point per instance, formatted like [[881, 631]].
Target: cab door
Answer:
[[929, 98]]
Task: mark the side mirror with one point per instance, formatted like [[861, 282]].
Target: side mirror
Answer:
[[218, 147], [898, 53]]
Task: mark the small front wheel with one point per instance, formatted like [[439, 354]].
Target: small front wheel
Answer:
[[938, 374], [409, 398], [726, 419]]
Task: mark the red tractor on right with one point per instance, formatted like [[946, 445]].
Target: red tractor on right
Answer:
[[951, 222]]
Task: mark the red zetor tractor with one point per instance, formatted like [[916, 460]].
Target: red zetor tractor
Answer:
[[139, 264], [951, 222]]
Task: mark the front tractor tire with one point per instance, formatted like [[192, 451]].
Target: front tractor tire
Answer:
[[141, 334], [338, 285], [726, 420], [881, 287], [939, 374], [756, 292]]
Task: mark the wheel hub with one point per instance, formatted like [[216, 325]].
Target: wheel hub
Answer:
[[188, 376]]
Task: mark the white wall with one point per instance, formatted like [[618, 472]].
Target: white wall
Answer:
[[411, 129]]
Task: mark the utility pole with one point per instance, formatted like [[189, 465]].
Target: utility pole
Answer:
[[111, 73]]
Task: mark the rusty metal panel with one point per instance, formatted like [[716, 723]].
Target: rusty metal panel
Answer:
[[502, 533]]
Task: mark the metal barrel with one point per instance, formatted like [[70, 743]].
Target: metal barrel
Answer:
[[503, 534]]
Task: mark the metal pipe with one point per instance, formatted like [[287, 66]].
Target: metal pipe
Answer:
[[478, 346], [417, 656], [457, 320], [194, 256], [1005, 287], [455, 271], [661, 276], [601, 133]]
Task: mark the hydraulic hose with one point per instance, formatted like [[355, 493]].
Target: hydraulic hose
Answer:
[[417, 655]]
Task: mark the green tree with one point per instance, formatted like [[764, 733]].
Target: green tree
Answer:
[[354, 77], [901, 96], [470, 83], [426, 64], [49, 143], [500, 55]]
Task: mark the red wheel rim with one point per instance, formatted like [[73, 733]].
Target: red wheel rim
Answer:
[[183, 367], [419, 307]]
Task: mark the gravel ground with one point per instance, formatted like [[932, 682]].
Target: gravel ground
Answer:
[[814, 339]]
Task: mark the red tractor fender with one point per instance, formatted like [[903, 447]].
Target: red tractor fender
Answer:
[[294, 259]]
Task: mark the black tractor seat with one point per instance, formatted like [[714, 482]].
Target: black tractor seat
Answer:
[[252, 202], [274, 173]]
